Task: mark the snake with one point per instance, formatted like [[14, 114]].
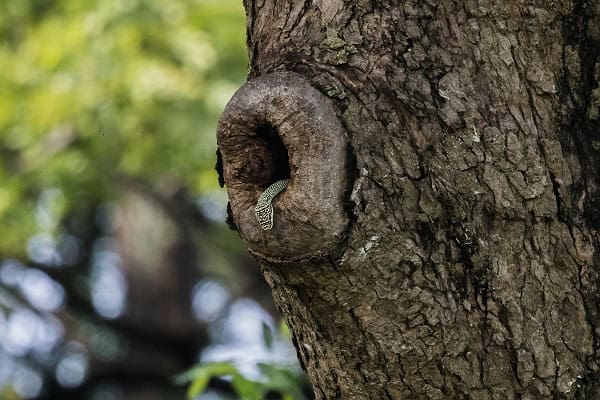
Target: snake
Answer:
[[264, 208]]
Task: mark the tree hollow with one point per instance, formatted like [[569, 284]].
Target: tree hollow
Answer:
[[278, 126]]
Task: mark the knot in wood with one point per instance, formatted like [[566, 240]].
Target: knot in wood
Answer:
[[277, 127]]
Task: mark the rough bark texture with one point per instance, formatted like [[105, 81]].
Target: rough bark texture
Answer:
[[471, 265]]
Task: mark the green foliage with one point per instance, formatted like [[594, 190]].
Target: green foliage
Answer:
[[276, 378], [282, 380], [7, 393], [90, 91], [286, 380], [267, 334]]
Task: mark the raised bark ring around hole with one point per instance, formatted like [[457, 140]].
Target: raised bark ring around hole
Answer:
[[278, 126]]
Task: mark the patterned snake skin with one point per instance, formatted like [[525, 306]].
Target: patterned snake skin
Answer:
[[264, 209]]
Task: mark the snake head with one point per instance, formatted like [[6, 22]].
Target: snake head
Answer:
[[264, 208]]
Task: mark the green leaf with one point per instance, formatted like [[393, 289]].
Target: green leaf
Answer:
[[199, 377], [187, 376], [281, 380], [267, 334], [210, 369], [247, 389], [284, 329], [198, 385]]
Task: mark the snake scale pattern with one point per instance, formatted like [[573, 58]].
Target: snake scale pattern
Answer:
[[264, 208]]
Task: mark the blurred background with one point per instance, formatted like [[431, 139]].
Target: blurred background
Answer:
[[118, 276]]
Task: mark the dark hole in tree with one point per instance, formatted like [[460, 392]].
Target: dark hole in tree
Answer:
[[281, 161]]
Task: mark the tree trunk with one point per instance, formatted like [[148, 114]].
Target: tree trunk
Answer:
[[469, 267]]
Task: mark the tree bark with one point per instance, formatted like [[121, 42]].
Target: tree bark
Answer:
[[470, 264]]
